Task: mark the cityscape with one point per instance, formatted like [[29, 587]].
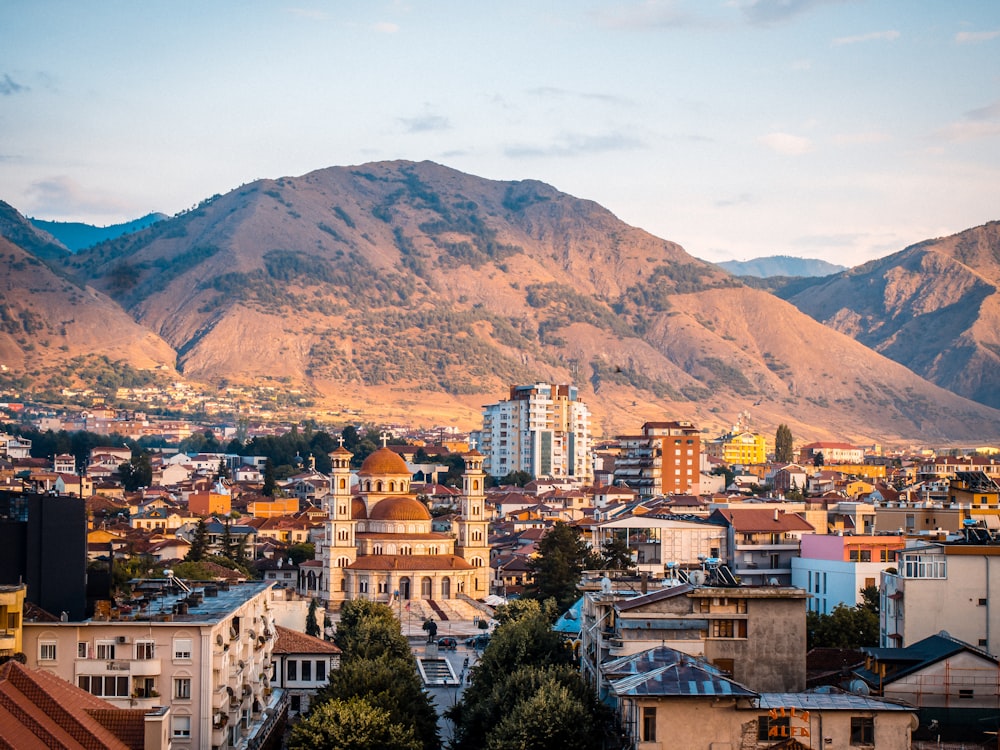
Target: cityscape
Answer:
[[736, 588]]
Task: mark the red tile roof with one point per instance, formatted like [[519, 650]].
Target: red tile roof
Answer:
[[293, 642], [40, 710]]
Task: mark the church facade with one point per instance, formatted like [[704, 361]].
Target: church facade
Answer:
[[379, 544]]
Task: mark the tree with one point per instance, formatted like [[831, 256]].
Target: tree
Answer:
[[351, 724], [616, 554], [845, 627], [223, 471], [269, 483], [783, 444], [312, 626], [301, 552], [819, 459], [546, 718], [136, 472], [563, 555], [199, 543]]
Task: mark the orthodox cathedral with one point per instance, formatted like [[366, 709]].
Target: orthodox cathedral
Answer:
[[379, 544]]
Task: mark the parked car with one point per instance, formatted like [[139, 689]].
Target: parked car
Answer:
[[477, 641], [448, 644]]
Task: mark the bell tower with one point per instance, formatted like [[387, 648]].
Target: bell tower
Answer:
[[473, 525], [340, 544]]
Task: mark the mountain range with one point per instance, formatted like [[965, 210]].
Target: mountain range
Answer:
[[413, 292], [781, 265]]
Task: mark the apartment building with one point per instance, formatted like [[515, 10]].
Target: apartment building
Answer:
[[834, 568], [542, 429], [949, 586], [205, 652], [664, 458], [762, 542]]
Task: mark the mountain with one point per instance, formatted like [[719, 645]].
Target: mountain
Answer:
[[781, 265], [50, 324], [932, 307], [22, 233], [76, 236], [411, 291]]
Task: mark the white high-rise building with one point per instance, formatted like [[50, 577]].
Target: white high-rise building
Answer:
[[542, 429]]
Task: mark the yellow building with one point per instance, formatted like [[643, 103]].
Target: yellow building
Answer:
[[11, 606], [744, 448]]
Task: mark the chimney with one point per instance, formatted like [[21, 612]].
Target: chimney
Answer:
[[775, 515]]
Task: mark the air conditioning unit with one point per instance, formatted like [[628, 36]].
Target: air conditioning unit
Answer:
[[121, 639]]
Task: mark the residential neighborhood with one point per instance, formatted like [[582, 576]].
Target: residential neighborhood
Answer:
[[713, 571]]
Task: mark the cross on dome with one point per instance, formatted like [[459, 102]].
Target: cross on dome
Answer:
[[472, 444], [384, 437], [340, 439]]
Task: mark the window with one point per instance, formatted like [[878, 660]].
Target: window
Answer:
[[182, 648], [967, 694], [104, 687], [862, 730], [105, 649], [296, 703], [320, 671], [145, 650], [649, 724], [729, 628], [81, 650], [46, 651], [180, 726], [292, 670], [307, 670], [182, 688]]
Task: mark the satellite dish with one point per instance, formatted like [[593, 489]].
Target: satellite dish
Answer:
[[859, 687]]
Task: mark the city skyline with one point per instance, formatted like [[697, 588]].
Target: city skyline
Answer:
[[836, 130]]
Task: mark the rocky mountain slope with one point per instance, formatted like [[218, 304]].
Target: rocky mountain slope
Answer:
[[50, 325], [416, 293], [932, 307]]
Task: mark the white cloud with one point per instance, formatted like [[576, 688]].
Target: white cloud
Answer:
[[63, 196], [310, 13], [874, 36], [649, 14], [386, 27], [971, 37], [861, 139], [983, 122], [787, 144]]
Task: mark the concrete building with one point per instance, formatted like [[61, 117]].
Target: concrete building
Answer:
[[664, 458], [302, 666], [11, 607], [755, 634], [542, 429], [667, 699], [944, 586], [835, 568], [659, 540], [204, 652], [762, 542]]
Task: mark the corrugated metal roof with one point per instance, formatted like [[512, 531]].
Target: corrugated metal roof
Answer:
[[664, 671], [828, 701]]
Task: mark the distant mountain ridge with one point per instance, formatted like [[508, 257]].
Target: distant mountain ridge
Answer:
[[413, 292], [934, 307], [781, 265], [76, 235]]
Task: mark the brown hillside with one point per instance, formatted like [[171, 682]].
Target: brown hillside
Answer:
[[932, 307]]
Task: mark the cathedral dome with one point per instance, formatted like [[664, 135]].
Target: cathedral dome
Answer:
[[358, 510], [400, 509], [383, 461]]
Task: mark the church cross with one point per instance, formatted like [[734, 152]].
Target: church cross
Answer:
[[384, 437]]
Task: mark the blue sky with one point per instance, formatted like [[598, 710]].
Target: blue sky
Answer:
[[738, 128]]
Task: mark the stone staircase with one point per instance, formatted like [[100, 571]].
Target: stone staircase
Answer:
[[436, 671]]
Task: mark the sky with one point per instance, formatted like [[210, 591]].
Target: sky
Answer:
[[835, 129]]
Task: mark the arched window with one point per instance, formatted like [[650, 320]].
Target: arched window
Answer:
[[475, 484], [477, 536], [477, 562], [343, 510], [392, 486], [377, 549], [406, 549], [342, 535], [343, 483], [343, 562]]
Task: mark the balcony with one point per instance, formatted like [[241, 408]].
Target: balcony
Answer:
[[8, 640], [145, 667]]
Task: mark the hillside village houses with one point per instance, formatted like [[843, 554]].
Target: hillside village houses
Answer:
[[389, 531]]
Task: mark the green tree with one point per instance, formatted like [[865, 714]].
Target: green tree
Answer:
[[546, 718], [223, 471], [783, 444], [199, 543], [312, 626], [351, 724], [563, 555], [301, 552], [136, 472], [819, 459], [616, 554], [845, 627], [269, 484]]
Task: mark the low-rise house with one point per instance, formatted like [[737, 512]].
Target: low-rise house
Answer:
[[667, 699], [656, 540], [954, 686], [762, 542], [302, 666]]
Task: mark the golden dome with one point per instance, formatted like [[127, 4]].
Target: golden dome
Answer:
[[358, 510], [383, 461], [399, 509]]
